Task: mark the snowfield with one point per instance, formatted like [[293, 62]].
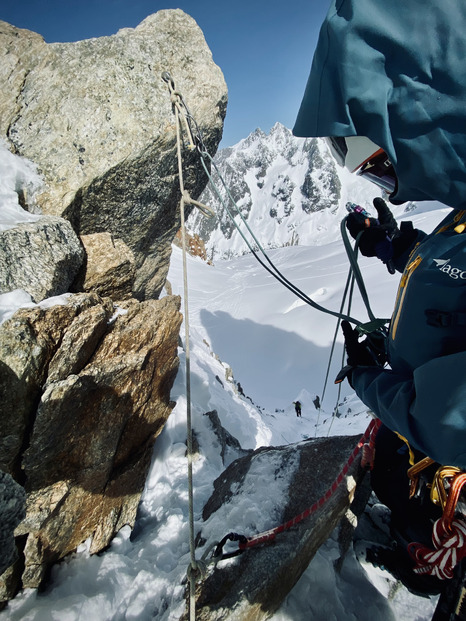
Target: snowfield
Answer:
[[278, 350]]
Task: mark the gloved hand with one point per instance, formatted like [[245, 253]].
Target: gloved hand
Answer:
[[356, 350], [357, 353], [375, 240], [385, 217]]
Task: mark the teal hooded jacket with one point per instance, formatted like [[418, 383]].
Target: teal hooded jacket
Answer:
[[423, 394], [396, 72]]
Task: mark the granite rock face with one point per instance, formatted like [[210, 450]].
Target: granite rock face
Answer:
[[85, 384], [87, 391], [252, 586], [12, 510], [96, 117], [109, 268], [42, 257]]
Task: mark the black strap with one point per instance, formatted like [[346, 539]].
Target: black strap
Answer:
[[444, 319]]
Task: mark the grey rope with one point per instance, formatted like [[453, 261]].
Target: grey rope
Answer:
[[349, 287], [271, 268], [350, 283], [353, 276], [196, 140]]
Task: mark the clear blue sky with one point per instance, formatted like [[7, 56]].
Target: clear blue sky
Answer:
[[264, 47]]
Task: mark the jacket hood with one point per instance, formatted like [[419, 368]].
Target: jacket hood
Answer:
[[394, 71]]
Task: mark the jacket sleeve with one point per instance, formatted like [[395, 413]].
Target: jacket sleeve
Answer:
[[427, 408]]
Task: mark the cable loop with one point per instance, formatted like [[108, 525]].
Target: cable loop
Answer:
[[208, 212], [196, 570]]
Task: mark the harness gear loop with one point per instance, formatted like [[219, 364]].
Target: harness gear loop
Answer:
[[442, 483], [414, 472], [456, 487]]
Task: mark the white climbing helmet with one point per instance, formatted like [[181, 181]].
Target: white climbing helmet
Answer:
[[360, 155]]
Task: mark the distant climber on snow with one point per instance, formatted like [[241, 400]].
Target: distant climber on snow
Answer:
[[388, 90], [297, 407]]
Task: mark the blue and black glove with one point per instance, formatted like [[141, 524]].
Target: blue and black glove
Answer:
[[358, 353], [377, 234], [361, 353], [381, 237]]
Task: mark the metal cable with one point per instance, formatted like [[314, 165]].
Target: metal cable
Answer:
[[183, 117]]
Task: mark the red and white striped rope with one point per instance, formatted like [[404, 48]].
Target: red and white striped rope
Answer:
[[449, 549], [448, 537], [270, 535]]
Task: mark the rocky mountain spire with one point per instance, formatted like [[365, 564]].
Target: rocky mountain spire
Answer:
[[278, 182]]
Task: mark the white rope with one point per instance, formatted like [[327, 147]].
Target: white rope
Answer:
[[195, 567]]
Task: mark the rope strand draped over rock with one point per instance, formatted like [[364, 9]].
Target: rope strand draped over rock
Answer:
[[180, 110]]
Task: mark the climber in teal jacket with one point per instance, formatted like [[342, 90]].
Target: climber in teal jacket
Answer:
[[394, 72], [423, 395]]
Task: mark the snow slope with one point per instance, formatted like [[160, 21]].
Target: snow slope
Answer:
[[278, 350]]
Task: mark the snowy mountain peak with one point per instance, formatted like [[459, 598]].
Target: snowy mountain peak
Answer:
[[287, 189], [257, 134]]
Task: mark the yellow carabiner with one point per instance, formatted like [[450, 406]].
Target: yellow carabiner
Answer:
[[413, 474], [441, 484]]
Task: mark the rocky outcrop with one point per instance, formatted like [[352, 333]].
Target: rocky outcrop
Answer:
[[252, 586], [12, 510], [42, 257], [85, 384], [230, 448], [96, 117], [194, 245], [109, 268], [86, 391]]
